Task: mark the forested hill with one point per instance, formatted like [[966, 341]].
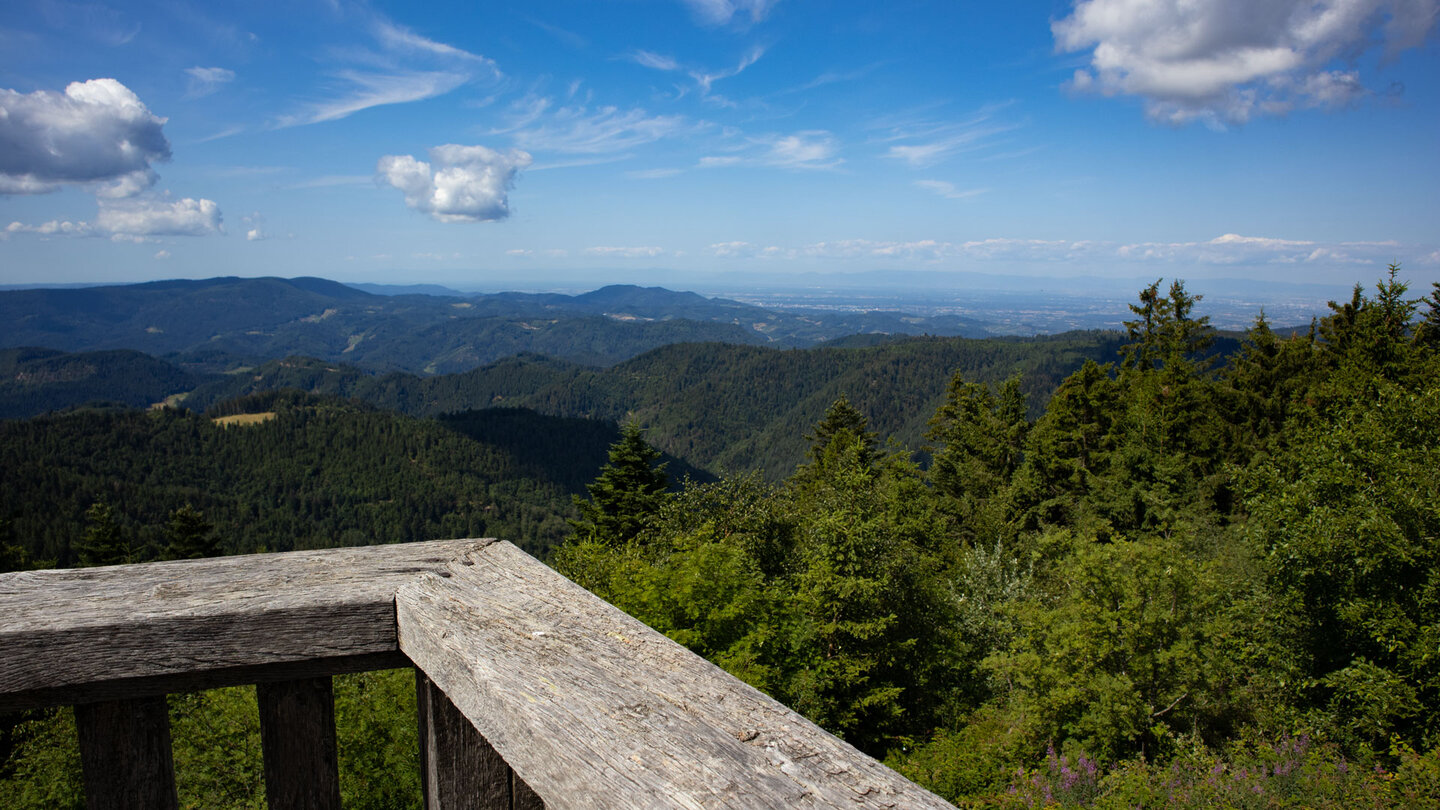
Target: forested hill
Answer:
[[719, 406], [33, 381], [289, 470], [215, 324]]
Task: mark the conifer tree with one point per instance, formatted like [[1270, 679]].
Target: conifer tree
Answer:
[[1428, 332], [843, 425], [104, 542], [191, 535], [629, 490], [981, 436], [12, 554]]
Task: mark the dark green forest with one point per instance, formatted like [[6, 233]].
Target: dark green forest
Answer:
[[1187, 582], [1175, 572], [720, 406], [321, 473]]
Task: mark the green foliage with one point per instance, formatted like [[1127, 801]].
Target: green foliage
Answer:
[[215, 740], [320, 474], [981, 438], [626, 494], [1348, 519], [378, 740], [1148, 595], [720, 406], [104, 542], [1164, 333], [1119, 659], [190, 535], [34, 381], [43, 769]]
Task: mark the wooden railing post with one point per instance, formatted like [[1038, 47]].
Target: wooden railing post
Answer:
[[459, 769], [297, 735], [125, 754]]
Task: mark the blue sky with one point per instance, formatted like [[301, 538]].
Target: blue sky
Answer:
[[476, 144]]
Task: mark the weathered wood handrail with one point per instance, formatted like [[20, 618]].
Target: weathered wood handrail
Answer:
[[517, 668]]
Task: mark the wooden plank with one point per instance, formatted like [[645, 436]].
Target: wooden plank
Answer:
[[125, 754], [63, 629], [459, 770], [131, 688], [522, 796], [595, 710], [297, 736]]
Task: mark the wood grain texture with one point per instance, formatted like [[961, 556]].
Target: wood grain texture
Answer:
[[125, 754], [297, 736], [87, 627], [522, 796], [595, 710], [459, 770], [131, 688]]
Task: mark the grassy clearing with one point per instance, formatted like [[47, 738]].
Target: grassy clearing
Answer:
[[244, 418]]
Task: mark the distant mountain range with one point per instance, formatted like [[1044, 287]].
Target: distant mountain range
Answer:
[[219, 323]]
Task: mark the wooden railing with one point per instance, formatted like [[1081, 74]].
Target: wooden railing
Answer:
[[532, 692]]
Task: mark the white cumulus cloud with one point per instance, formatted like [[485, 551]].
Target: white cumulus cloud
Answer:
[[150, 217], [137, 220], [96, 132], [459, 184], [1226, 61]]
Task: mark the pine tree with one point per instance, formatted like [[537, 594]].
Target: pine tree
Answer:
[[1165, 333], [626, 494], [843, 425], [104, 543], [191, 535], [12, 554], [980, 437], [1428, 332]]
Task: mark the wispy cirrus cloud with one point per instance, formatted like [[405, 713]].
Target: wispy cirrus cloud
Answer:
[[204, 81], [1225, 62], [399, 38], [949, 190], [653, 60], [704, 79], [403, 67], [577, 129], [723, 12], [358, 91], [809, 149], [921, 140]]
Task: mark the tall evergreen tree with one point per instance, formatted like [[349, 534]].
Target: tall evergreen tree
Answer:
[[627, 493], [842, 426], [980, 437], [1428, 332], [191, 536], [104, 541], [12, 554], [1165, 333]]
